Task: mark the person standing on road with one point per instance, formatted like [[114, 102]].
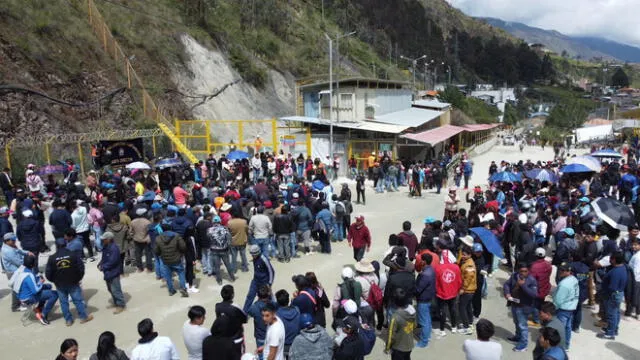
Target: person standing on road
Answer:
[[448, 284], [425, 293], [66, 270], [565, 298], [283, 226], [204, 244], [613, 285], [359, 238], [237, 318], [139, 233], [239, 233], [409, 239], [401, 326], [260, 229], [360, 188], [274, 341], [107, 349], [263, 274], [170, 247], [541, 271], [81, 226], [219, 243], [304, 221], [468, 289], [28, 232], [313, 342], [110, 267], [520, 291]]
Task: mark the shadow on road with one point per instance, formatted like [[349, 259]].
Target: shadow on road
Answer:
[[624, 351]]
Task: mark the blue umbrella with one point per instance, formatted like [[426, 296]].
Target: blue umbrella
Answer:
[[167, 163], [546, 175], [238, 155], [531, 174], [318, 185], [606, 153], [490, 241], [506, 176], [575, 168], [586, 160]]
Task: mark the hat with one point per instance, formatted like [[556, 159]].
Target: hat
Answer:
[[4, 210], [216, 219], [564, 267], [364, 266], [267, 204], [140, 198], [148, 196], [107, 235], [172, 208], [27, 213], [351, 322], [429, 220], [467, 240], [350, 307], [569, 231], [9, 236], [540, 252], [347, 273], [523, 218], [141, 211], [225, 207], [477, 247], [447, 223], [360, 218], [254, 250], [306, 320], [584, 199]]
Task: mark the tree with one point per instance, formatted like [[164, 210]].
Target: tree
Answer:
[[569, 114], [546, 70], [453, 96], [620, 78]]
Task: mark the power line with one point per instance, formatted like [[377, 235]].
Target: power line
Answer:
[[5, 89]]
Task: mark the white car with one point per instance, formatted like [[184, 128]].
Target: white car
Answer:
[[509, 140]]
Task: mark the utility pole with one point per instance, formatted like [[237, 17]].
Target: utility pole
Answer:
[[414, 62], [338, 37], [330, 95]]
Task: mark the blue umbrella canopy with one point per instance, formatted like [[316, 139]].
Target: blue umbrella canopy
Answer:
[[506, 176], [588, 161], [490, 241], [238, 155], [575, 168], [606, 153], [546, 175]]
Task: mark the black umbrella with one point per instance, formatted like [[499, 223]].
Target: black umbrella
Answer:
[[614, 213]]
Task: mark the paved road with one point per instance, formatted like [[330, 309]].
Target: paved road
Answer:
[[384, 214]]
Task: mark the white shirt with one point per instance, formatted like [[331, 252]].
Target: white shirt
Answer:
[[275, 337], [634, 264], [160, 348], [482, 350], [193, 336]]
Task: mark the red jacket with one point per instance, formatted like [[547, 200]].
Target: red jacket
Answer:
[[448, 280], [359, 237], [419, 264], [409, 240], [541, 271]]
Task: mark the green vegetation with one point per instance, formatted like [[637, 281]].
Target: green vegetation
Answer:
[[476, 109]]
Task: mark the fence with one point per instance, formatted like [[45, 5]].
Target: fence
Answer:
[[222, 136]]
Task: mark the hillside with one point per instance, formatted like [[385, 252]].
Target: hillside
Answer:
[[185, 50], [586, 48]]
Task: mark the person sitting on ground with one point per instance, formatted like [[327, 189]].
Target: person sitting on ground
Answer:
[[31, 289], [483, 348], [151, 345]]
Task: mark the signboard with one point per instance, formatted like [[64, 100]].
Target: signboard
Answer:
[[288, 140], [123, 152]]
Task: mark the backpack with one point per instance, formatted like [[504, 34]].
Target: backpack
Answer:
[[368, 337], [218, 236], [340, 209], [319, 226], [351, 290], [375, 298]]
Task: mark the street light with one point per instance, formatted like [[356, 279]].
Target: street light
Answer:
[[330, 40], [338, 37], [413, 65]]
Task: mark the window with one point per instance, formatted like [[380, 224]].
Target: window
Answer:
[[346, 101]]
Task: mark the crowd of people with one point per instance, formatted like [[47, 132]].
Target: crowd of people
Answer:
[[153, 222]]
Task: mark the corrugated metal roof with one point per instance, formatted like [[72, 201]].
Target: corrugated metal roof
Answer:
[[480, 127], [411, 117], [435, 136], [431, 104], [358, 125]]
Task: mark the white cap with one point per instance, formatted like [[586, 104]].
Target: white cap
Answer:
[[540, 252], [347, 273], [350, 307], [523, 218]]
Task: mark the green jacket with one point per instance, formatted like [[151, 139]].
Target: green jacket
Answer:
[[401, 326], [170, 247]]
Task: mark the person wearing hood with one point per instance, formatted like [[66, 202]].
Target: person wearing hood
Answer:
[[183, 226], [290, 316], [401, 326], [152, 346], [237, 317], [170, 247], [139, 232], [448, 284], [120, 233], [313, 342], [359, 238], [220, 344], [28, 232]]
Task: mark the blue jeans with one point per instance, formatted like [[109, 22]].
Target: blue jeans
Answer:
[[115, 289], [402, 179], [273, 247], [613, 312], [300, 170], [178, 268], [45, 299], [206, 261], [235, 250], [159, 266], [222, 257], [259, 343], [566, 317], [520, 315], [338, 230], [353, 172], [76, 297], [380, 186], [97, 233], [293, 241], [424, 320], [263, 244], [251, 295], [256, 175]]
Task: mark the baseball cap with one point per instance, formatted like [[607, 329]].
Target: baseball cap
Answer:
[[429, 220], [107, 235], [523, 218], [569, 231], [254, 250], [351, 322], [9, 236], [306, 320], [540, 252], [4, 210], [447, 223], [584, 199], [216, 219], [564, 267], [477, 247], [347, 273]]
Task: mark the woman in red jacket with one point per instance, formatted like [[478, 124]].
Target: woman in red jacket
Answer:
[[448, 285], [359, 238]]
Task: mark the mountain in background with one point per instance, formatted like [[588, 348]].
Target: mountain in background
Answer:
[[585, 48]]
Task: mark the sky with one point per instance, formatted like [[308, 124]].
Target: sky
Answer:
[[610, 19]]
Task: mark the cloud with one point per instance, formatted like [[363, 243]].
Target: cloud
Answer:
[[610, 19]]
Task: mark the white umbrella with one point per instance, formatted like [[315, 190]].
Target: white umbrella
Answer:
[[139, 165], [586, 160]]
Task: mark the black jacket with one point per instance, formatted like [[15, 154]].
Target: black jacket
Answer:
[[236, 317], [400, 279], [282, 224], [64, 268], [351, 348], [220, 344]]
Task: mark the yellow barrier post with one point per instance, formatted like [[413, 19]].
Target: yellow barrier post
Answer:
[[47, 152], [81, 159], [153, 144], [7, 153], [309, 141], [274, 130], [207, 128]]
